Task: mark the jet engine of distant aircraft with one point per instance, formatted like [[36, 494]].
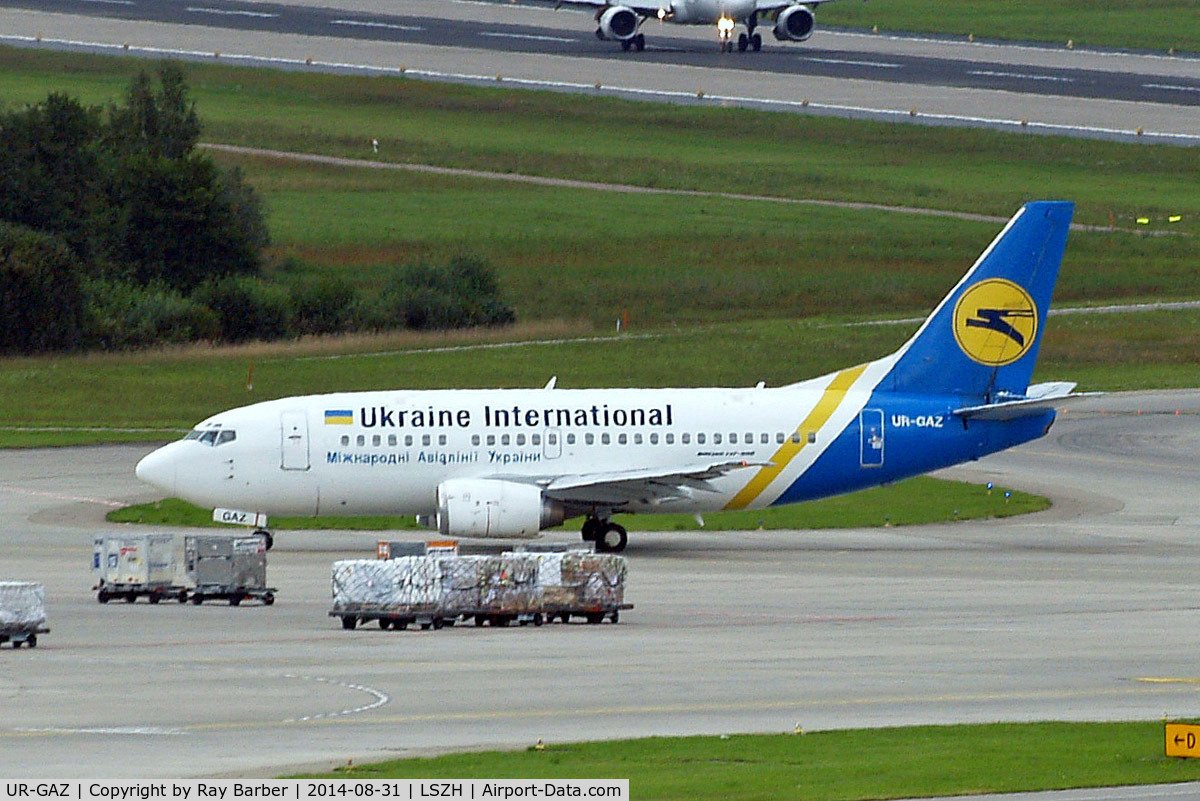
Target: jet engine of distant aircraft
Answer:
[[795, 24], [621, 24]]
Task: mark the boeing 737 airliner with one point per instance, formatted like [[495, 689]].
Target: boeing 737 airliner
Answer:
[[511, 462]]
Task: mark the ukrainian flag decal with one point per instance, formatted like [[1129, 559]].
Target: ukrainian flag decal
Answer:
[[339, 417]]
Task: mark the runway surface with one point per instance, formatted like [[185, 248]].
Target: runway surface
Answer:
[[1029, 88], [1086, 612]]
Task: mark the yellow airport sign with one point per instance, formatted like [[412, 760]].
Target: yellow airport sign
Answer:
[[1183, 740]]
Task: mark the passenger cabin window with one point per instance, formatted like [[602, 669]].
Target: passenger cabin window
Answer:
[[535, 439], [376, 440], [654, 439], [670, 439], [474, 439], [699, 439], [520, 439], [491, 439], [441, 439], [605, 439], [812, 437], [408, 440], [622, 439], [685, 438], [345, 440], [779, 439], [589, 439], [733, 439], [716, 439], [425, 440], [360, 440]]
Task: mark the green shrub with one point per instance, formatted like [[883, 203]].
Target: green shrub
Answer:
[[325, 306], [461, 294], [124, 316], [248, 308], [41, 299]]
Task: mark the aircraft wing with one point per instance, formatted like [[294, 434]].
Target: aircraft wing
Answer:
[[644, 485], [642, 8], [1038, 398], [775, 5]]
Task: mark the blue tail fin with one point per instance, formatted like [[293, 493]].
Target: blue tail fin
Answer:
[[982, 340]]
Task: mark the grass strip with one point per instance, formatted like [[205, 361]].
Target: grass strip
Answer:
[[916, 501], [835, 765], [650, 144], [172, 390], [1146, 24]]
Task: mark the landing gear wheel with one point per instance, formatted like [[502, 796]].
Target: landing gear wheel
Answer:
[[639, 42], [743, 42], [626, 44], [612, 539], [756, 42], [592, 527]]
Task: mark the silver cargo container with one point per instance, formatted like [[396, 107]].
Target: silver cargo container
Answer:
[[227, 567]]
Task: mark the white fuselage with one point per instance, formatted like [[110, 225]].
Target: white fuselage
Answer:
[[707, 12], [387, 452]]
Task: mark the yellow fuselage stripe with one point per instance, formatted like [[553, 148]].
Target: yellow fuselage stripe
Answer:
[[832, 398]]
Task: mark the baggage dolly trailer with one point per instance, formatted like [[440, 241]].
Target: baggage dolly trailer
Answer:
[[22, 612], [17, 636]]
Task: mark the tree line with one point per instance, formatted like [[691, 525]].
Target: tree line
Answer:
[[117, 231]]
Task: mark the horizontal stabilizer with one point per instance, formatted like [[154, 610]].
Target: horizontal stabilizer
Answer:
[[1040, 397]]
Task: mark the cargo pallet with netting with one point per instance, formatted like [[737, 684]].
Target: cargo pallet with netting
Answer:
[[437, 590], [22, 613]]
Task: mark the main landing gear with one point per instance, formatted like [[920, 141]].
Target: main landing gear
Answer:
[[745, 41], [638, 43], [608, 536]]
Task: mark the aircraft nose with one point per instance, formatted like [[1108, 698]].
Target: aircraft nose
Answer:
[[158, 469]]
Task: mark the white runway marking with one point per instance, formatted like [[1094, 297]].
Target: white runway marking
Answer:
[[381, 698], [364, 24], [1172, 87], [1024, 76], [529, 36], [850, 62], [228, 13]]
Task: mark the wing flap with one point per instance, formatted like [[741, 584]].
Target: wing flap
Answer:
[[650, 485]]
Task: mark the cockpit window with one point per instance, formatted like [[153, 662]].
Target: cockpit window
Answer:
[[212, 436]]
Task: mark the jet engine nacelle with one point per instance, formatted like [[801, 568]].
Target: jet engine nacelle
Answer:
[[795, 24], [617, 22], [477, 507]]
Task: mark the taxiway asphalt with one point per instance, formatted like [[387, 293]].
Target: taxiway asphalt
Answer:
[[1085, 612]]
